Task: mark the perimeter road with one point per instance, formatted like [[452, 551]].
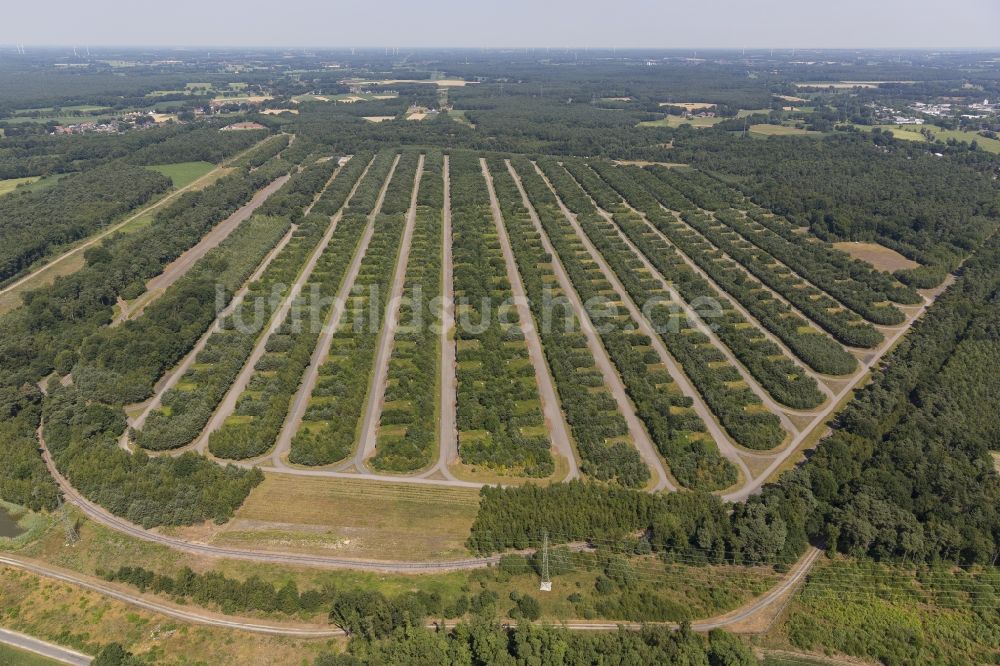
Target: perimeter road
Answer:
[[747, 611]]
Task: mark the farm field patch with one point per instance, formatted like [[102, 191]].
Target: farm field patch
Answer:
[[677, 121], [11, 184], [879, 256], [183, 173], [362, 518], [912, 133], [768, 129], [690, 106]]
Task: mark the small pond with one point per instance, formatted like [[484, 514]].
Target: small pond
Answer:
[[8, 526]]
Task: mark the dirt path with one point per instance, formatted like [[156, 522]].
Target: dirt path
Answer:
[[387, 336], [722, 441], [175, 375], [734, 620], [448, 428], [705, 276], [301, 401], [150, 603], [551, 407], [170, 196], [177, 268]]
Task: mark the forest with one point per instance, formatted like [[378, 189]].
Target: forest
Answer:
[[936, 213], [500, 420], [34, 224], [407, 425], [594, 418], [893, 481]]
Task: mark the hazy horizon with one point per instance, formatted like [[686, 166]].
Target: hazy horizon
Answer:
[[647, 24]]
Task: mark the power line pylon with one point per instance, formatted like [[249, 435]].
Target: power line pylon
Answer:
[[546, 585]]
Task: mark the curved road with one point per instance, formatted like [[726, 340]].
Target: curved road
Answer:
[[100, 515], [199, 616], [170, 610]]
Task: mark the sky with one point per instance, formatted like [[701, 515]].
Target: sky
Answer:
[[512, 23]]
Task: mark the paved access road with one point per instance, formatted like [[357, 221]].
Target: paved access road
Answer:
[[44, 648]]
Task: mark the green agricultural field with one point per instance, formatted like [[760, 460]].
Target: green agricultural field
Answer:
[[11, 184], [13, 657], [183, 173], [767, 129], [77, 108], [64, 119], [677, 121], [912, 133]]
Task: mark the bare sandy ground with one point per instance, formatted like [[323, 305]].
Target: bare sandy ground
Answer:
[[689, 106], [879, 256]]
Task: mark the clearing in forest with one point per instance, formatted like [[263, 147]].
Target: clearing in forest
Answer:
[[767, 129], [183, 173], [879, 256], [677, 121], [363, 518], [12, 184], [690, 106]]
